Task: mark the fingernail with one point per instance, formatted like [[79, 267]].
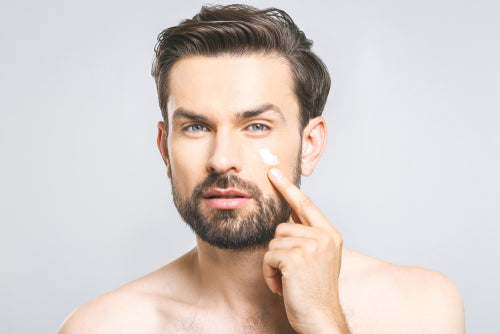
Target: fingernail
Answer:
[[275, 173]]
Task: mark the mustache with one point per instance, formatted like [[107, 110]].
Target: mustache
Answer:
[[226, 180]]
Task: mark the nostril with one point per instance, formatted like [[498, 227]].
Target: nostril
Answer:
[[222, 165]]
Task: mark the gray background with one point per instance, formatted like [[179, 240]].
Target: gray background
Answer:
[[410, 174]]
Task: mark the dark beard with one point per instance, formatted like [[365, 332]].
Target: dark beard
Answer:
[[230, 229]]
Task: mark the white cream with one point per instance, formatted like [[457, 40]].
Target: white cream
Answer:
[[268, 158]]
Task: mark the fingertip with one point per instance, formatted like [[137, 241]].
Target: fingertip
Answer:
[[275, 174]]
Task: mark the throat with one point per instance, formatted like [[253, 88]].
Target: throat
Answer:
[[235, 274], [237, 290]]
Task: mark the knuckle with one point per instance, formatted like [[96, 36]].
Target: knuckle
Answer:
[[306, 202], [295, 254], [337, 239], [280, 229], [267, 256], [325, 240], [330, 240]]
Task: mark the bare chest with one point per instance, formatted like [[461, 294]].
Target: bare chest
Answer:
[[207, 323]]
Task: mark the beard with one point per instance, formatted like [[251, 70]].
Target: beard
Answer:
[[236, 229]]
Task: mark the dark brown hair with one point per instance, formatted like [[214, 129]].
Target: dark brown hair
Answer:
[[240, 30]]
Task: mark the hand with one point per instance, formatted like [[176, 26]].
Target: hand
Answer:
[[303, 264]]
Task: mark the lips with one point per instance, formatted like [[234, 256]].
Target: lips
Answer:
[[226, 198]]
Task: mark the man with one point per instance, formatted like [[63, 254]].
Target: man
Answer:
[[241, 96]]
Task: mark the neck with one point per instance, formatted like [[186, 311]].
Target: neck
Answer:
[[234, 278]]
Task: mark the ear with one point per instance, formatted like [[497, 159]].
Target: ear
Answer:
[[313, 144], [161, 141]]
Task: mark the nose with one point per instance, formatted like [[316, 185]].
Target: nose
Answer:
[[225, 153]]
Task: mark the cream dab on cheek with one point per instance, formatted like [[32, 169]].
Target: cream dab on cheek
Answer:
[[268, 158]]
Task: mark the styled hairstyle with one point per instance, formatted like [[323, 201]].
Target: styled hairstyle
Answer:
[[240, 30]]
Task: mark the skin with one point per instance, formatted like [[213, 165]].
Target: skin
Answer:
[[305, 281]]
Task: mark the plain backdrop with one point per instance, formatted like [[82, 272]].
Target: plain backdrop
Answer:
[[410, 173]]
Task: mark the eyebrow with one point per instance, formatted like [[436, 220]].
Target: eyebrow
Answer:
[[184, 113], [259, 110]]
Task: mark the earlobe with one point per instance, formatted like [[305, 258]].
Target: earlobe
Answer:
[[161, 142], [314, 139]]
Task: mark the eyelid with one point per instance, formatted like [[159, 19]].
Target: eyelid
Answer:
[[185, 127], [263, 123]]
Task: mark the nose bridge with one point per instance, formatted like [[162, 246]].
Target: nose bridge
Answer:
[[225, 153]]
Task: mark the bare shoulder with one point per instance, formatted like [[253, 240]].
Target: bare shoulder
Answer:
[[399, 299], [150, 304], [119, 311]]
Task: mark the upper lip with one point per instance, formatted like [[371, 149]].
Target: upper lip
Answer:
[[227, 192]]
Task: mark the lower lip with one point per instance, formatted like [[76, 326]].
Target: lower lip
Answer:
[[227, 203]]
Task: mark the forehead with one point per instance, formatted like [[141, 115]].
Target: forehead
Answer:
[[229, 83]]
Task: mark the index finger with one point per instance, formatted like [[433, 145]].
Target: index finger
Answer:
[[304, 208]]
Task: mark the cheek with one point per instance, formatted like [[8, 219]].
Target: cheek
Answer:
[[288, 157], [187, 166], [261, 157]]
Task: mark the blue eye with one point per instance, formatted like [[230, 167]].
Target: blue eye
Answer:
[[258, 127], [195, 128]]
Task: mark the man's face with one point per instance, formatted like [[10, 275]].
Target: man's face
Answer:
[[221, 112]]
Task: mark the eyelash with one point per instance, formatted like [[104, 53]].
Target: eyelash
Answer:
[[265, 127], [188, 128], [202, 128]]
